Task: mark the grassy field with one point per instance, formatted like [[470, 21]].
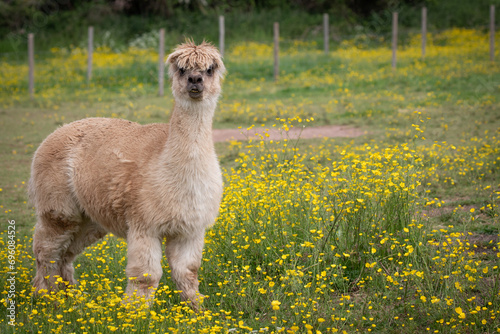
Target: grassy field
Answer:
[[396, 231]]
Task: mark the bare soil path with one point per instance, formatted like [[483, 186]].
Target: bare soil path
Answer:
[[329, 131]]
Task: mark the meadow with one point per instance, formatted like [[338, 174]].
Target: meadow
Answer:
[[395, 231]]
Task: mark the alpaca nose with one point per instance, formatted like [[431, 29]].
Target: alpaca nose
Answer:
[[195, 78]]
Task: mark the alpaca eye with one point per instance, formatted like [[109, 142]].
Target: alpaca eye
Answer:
[[210, 71], [182, 71]]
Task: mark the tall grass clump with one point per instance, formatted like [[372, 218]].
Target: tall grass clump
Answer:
[[337, 208]]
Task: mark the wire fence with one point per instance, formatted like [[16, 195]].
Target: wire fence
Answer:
[[330, 41]]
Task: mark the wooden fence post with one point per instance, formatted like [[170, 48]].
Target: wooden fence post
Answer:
[[276, 50], [424, 30], [394, 38], [492, 32], [31, 64], [326, 37], [90, 53], [161, 62], [222, 33]]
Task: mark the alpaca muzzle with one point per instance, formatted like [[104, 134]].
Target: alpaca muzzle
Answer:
[[195, 91], [195, 86]]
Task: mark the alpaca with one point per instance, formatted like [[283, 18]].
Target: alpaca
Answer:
[[144, 183]]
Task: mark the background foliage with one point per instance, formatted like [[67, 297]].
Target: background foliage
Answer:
[[59, 23]]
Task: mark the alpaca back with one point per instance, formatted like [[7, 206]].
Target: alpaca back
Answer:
[[94, 167], [120, 173]]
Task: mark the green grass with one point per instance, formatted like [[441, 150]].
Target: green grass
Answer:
[[394, 231]]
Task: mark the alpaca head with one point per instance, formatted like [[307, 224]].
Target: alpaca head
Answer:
[[196, 72]]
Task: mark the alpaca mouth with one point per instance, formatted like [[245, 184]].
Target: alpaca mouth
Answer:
[[195, 93]]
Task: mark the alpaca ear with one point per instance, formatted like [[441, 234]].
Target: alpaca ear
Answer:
[[219, 67], [172, 63], [173, 57]]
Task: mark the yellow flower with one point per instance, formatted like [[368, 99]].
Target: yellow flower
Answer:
[[461, 314], [276, 305]]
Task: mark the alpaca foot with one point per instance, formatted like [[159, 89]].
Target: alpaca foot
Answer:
[[41, 285], [195, 301], [137, 296]]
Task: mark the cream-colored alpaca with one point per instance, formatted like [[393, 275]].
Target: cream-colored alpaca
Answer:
[[144, 183]]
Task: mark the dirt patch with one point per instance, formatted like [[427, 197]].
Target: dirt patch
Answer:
[[485, 245], [328, 131], [484, 240]]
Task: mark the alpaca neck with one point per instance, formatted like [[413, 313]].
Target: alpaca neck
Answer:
[[190, 133]]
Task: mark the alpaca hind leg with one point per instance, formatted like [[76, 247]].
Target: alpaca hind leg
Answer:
[[144, 265], [53, 235], [88, 233], [184, 257]]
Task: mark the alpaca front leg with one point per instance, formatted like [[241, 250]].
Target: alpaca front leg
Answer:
[[144, 266], [184, 257]]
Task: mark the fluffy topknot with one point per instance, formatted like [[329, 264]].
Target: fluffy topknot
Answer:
[[191, 56]]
